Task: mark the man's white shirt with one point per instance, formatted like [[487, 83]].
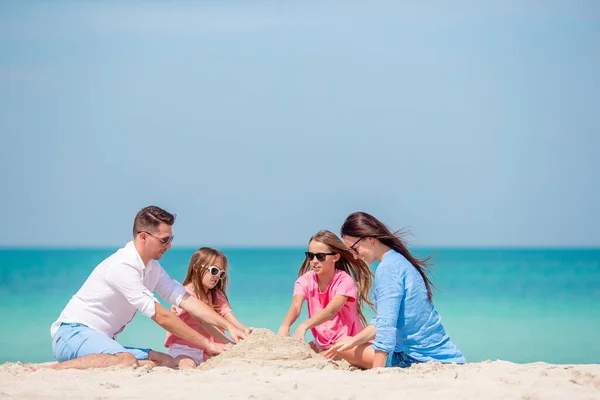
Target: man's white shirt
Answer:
[[116, 289]]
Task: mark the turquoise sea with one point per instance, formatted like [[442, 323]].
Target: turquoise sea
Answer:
[[517, 305]]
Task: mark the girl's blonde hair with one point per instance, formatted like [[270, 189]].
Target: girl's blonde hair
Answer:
[[203, 258], [357, 269]]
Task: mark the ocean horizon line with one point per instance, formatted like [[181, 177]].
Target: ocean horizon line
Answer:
[[297, 247]]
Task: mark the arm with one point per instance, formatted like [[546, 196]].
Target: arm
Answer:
[[389, 291], [217, 335], [231, 318], [224, 309], [177, 327], [324, 315], [292, 315], [127, 281], [366, 335], [346, 343], [204, 313]]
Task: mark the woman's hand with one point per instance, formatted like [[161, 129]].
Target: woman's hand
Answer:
[[300, 332], [344, 343], [283, 331], [248, 331]]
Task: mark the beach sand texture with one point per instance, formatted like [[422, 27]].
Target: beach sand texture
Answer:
[[266, 366]]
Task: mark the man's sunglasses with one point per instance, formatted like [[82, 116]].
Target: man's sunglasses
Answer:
[[165, 241], [320, 256], [215, 271]]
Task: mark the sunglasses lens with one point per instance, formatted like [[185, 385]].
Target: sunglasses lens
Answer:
[[215, 271], [320, 256]]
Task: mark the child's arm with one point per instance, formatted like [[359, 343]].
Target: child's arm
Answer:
[[231, 318], [217, 335], [324, 315], [292, 315]]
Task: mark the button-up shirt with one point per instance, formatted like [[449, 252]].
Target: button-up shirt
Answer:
[[406, 320], [117, 288]]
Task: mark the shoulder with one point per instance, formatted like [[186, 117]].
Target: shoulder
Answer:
[[221, 300], [221, 297], [125, 256], [189, 288], [306, 278], [393, 259], [121, 263], [342, 277], [392, 263]]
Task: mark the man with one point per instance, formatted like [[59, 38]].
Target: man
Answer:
[[120, 286]]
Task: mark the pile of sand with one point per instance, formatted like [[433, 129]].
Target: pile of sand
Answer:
[[264, 348]]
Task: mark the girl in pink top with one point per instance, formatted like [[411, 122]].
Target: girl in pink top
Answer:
[[207, 280], [327, 282]]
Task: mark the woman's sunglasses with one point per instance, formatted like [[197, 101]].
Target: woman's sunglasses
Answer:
[[215, 271], [352, 248], [320, 256]]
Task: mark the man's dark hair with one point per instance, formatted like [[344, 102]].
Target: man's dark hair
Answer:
[[149, 218]]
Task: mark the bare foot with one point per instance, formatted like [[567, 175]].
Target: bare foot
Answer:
[[31, 367]]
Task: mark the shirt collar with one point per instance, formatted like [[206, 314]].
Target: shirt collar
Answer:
[[389, 252], [140, 263]]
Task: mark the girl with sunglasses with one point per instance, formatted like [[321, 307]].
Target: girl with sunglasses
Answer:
[[207, 280], [407, 328], [335, 286]]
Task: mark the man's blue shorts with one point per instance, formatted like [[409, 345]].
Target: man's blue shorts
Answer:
[[78, 340]]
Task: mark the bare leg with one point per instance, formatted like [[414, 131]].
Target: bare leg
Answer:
[[360, 356], [97, 361], [158, 359], [185, 362]]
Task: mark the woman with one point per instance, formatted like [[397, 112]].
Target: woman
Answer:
[[407, 328]]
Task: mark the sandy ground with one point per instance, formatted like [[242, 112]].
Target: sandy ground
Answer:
[[265, 366]]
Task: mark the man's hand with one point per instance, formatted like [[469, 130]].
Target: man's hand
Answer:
[[283, 331], [215, 348], [300, 332], [342, 344], [237, 334]]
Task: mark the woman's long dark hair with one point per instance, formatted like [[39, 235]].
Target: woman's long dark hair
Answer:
[[361, 224]]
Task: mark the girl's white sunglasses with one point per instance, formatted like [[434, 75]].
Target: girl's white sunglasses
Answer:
[[215, 271]]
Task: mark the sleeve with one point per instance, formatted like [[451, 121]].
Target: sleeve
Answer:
[[180, 312], [301, 286], [389, 290], [169, 289], [345, 286], [222, 304], [125, 279]]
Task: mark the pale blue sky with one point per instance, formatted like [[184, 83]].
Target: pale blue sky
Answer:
[[259, 123]]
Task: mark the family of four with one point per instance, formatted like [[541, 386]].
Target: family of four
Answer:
[[334, 279]]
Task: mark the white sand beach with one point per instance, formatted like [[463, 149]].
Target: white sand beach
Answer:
[[265, 366]]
